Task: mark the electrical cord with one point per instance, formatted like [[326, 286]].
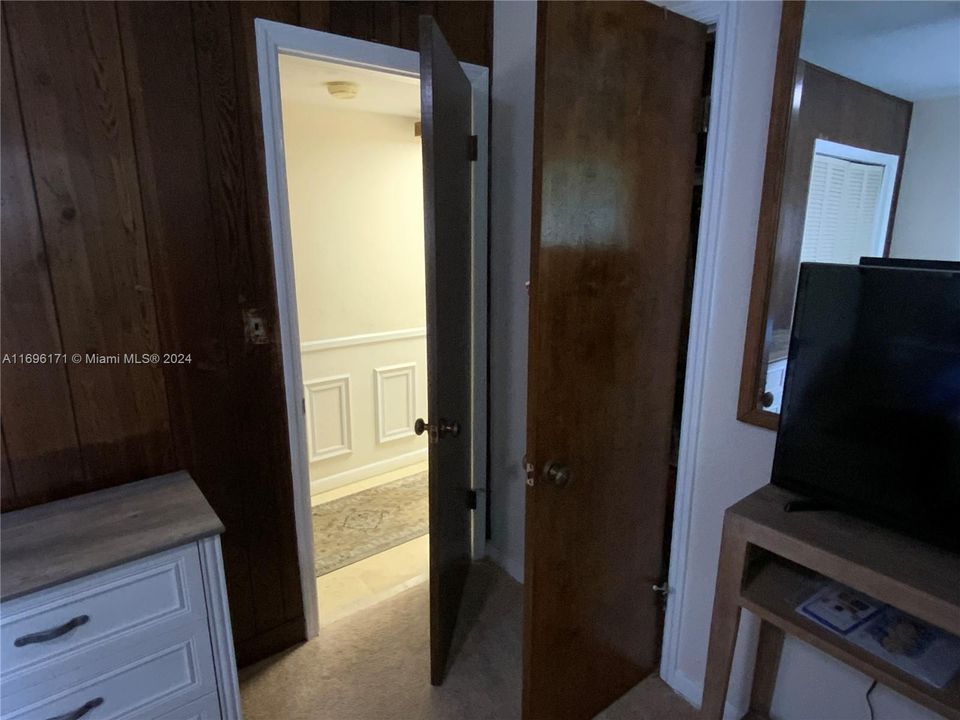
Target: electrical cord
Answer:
[[870, 689]]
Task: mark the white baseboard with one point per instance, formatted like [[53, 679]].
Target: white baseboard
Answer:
[[692, 691], [331, 482], [513, 565]]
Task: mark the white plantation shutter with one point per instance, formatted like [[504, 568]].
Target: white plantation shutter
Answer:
[[841, 223]]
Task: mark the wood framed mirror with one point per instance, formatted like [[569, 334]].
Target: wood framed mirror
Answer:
[[862, 160]]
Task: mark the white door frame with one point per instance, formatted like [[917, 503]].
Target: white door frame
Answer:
[[274, 38], [723, 16]]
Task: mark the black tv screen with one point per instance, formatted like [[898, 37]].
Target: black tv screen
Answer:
[[870, 417]]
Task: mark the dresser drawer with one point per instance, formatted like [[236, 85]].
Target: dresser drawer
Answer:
[[206, 708], [150, 595], [147, 679]]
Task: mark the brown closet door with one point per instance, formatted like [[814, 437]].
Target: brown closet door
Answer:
[[618, 100], [445, 98]]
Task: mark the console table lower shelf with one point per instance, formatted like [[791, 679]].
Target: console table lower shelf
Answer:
[[771, 560]]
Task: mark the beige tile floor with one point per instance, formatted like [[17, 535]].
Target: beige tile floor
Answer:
[[367, 582]]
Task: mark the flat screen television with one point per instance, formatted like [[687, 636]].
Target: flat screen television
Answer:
[[870, 418]]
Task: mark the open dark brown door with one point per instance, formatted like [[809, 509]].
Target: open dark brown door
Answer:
[[618, 100], [445, 99]]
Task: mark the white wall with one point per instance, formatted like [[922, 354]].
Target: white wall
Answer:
[[355, 186], [732, 458], [511, 168], [927, 223], [357, 228]]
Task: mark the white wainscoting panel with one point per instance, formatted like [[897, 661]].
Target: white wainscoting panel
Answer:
[[396, 401], [366, 427], [328, 417]]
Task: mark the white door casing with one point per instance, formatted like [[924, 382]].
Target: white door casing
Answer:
[[273, 39]]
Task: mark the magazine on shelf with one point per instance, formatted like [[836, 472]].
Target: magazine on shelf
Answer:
[[922, 650], [839, 608]]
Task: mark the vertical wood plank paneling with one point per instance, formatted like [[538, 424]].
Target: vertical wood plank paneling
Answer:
[[315, 14], [41, 438], [185, 252], [225, 175], [409, 12], [259, 375], [8, 492], [73, 96], [386, 23], [465, 25], [353, 18]]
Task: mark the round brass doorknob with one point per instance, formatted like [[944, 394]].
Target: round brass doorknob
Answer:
[[557, 473]]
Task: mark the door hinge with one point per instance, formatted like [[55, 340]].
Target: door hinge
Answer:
[[303, 405], [663, 589], [474, 148]]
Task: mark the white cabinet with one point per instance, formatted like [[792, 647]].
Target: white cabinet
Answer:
[[147, 638]]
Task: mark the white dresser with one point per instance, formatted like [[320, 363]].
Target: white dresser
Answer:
[[113, 605]]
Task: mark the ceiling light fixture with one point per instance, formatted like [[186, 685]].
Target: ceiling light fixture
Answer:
[[343, 90]]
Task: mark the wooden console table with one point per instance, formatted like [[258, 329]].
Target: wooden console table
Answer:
[[771, 560]]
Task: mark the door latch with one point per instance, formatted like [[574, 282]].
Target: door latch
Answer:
[[436, 431]]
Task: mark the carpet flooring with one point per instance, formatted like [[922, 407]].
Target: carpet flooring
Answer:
[[374, 665], [357, 526]]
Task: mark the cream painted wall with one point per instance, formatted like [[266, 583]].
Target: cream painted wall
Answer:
[[511, 188], [356, 212], [927, 224], [357, 224]]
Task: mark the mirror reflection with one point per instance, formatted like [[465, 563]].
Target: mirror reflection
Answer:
[[872, 165]]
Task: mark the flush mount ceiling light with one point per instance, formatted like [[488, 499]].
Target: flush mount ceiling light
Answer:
[[343, 90]]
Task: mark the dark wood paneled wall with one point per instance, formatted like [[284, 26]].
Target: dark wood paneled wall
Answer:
[[134, 220]]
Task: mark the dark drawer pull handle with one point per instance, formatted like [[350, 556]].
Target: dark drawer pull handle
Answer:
[[80, 711], [52, 634]]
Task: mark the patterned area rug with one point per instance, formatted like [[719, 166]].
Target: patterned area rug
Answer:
[[357, 526]]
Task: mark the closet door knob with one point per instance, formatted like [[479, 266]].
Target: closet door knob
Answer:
[[557, 473]]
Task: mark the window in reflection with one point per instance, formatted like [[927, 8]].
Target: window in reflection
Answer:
[[848, 203]]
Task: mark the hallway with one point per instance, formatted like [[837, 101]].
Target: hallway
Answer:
[[374, 665]]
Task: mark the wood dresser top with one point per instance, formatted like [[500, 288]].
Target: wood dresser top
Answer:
[[50, 544], [910, 563]]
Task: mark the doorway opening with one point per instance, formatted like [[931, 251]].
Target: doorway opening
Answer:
[[350, 273], [355, 201]]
